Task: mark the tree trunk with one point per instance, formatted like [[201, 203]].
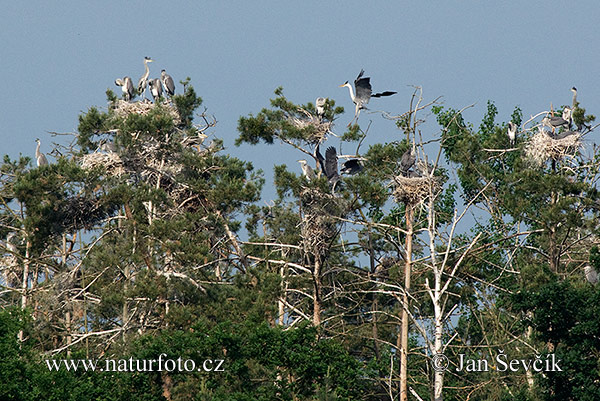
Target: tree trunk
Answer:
[[317, 292], [405, 302]]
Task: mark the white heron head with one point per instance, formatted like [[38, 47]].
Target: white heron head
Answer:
[[147, 59], [345, 84]]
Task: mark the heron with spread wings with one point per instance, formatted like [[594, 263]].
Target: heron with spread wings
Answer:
[[363, 94]]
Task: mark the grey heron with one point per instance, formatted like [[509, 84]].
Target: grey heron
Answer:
[[108, 146], [320, 105], [331, 167], [127, 87], [320, 159], [168, 83], [512, 132], [565, 134], [574, 90], [307, 170], [591, 275], [39, 156], [351, 167], [155, 89], [554, 122], [407, 161], [143, 82], [363, 93]]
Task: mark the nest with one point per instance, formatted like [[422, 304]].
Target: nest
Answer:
[[316, 127], [124, 108], [319, 223], [414, 190], [109, 162], [542, 147]]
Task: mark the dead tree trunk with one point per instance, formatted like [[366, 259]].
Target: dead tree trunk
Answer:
[[405, 303]]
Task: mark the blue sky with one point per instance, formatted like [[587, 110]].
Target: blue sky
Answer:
[[57, 61]]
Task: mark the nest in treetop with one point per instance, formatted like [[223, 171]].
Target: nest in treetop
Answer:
[[109, 162], [414, 190], [542, 147], [319, 225], [315, 127], [124, 108]]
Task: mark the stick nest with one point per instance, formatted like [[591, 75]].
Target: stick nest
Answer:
[[109, 162], [414, 190], [542, 147], [124, 108], [315, 127], [319, 222]]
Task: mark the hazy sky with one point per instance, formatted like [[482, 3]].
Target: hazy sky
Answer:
[[57, 61]]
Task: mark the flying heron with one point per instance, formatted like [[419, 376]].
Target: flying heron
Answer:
[[363, 94], [591, 275], [351, 167], [407, 161], [143, 82], [127, 87], [320, 105], [39, 156], [512, 132], [155, 89], [168, 83], [307, 170]]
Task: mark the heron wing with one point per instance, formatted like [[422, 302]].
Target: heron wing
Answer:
[[363, 89], [320, 159], [382, 94], [169, 85], [331, 162]]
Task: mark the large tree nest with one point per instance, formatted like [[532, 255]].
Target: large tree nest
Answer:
[[415, 190], [124, 108], [315, 127], [110, 162], [541, 147]]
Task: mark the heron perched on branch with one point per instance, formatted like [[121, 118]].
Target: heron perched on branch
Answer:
[[127, 87], [363, 93], [168, 83], [155, 89], [143, 82], [39, 156], [512, 132], [307, 170]]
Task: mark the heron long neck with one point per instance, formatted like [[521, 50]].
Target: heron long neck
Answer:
[[147, 69], [574, 99], [37, 150], [351, 93]]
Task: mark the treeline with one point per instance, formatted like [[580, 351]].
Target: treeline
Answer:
[[143, 237]]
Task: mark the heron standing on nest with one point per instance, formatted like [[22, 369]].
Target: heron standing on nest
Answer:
[[363, 93], [320, 106], [155, 89], [127, 87], [407, 161], [168, 83], [554, 122], [143, 82], [39, 156]]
